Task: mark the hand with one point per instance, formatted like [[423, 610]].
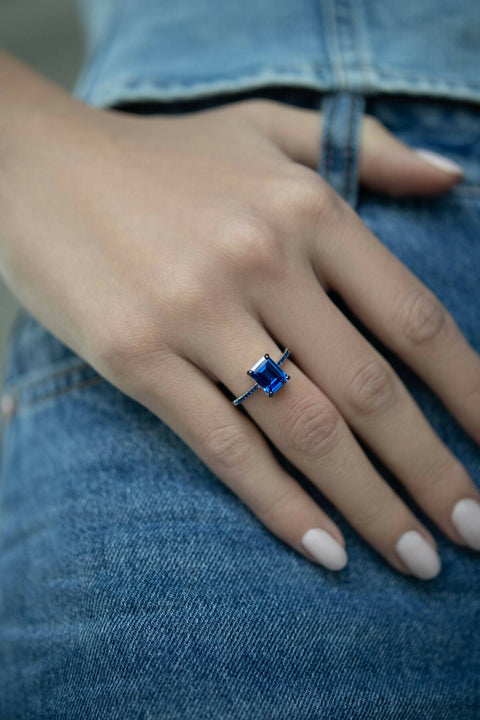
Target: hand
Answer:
[[172, 252]]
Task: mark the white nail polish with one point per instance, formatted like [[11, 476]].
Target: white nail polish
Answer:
[[325, 549], [466, 518], [442, 163], [418, 555]]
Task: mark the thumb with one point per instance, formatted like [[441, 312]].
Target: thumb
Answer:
[[386, 164]]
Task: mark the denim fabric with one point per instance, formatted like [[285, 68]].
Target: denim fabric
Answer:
[[342, 113], [134, 584], [147, 49]]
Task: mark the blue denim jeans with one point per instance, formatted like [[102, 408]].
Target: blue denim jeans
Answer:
[[134, 584]]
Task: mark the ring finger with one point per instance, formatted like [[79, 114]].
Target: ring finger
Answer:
[[307, 428], [372, 399]]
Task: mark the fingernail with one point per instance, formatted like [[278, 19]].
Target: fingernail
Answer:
[[418, 555], [325, 549], [439, 161], [466, 518]]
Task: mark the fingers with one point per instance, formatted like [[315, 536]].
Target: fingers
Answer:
[[231, 446], [309, 430], [404, 314], [387, 165], [372, 399]]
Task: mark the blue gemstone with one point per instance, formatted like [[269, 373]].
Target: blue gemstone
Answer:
[[268, 375]]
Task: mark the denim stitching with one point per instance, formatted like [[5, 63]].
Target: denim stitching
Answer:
[[109, 35], [330, 140], [21, 385], [24, 404], [261, 70], [353, 148], [347, 176]]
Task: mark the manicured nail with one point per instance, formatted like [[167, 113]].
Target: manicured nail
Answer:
[[440, 162], [325, 549], [418, 555], [466, 518]]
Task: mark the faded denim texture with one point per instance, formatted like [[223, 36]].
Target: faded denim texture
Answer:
[[191, 48], [134, 584]]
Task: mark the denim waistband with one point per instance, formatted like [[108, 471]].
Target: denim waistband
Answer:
[[138, 49]]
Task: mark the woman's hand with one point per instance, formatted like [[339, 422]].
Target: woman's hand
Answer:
[[172, 252]]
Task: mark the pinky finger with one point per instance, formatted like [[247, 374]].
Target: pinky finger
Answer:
[[236, 452]]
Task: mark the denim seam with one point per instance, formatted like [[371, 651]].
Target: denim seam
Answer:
[[346, 41], [348, 189], [109, 94], [340, 141], [358, 16], [24, 403], [330, 34], [28, 384], [25, 399], [106, 43], [357, 113], [260, 70], [329, 147]]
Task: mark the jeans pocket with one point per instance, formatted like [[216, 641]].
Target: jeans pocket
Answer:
[[39, 367], [53, 381]]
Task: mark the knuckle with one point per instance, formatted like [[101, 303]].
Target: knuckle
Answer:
[[277, 509], [128, 345], [251, 245], [110, 353], [374, 512], [442, 474], [227, 447], [193, 294], [471, 399], [313, 428], [423, 317], [374, 388], [303, 193]]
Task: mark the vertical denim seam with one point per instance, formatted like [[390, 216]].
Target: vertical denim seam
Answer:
[[106, 43], [332, 41], [340, 139], [349, 194], [357, 110], [364, 49], [329, 144]]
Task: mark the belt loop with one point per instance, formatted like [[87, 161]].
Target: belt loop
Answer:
[[340, 143]]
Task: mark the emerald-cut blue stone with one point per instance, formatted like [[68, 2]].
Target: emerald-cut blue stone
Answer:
[[268, 375]]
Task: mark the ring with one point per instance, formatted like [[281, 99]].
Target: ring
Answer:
[[268, 375]]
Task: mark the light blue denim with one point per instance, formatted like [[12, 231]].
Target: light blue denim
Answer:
[[135, 585], [155, 49]]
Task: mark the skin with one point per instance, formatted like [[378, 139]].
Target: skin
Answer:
[[160, 249]]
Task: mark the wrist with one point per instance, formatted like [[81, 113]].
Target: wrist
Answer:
[[32, 109]]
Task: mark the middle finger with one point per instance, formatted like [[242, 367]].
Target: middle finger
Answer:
[[370, 396], [307, 428]]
